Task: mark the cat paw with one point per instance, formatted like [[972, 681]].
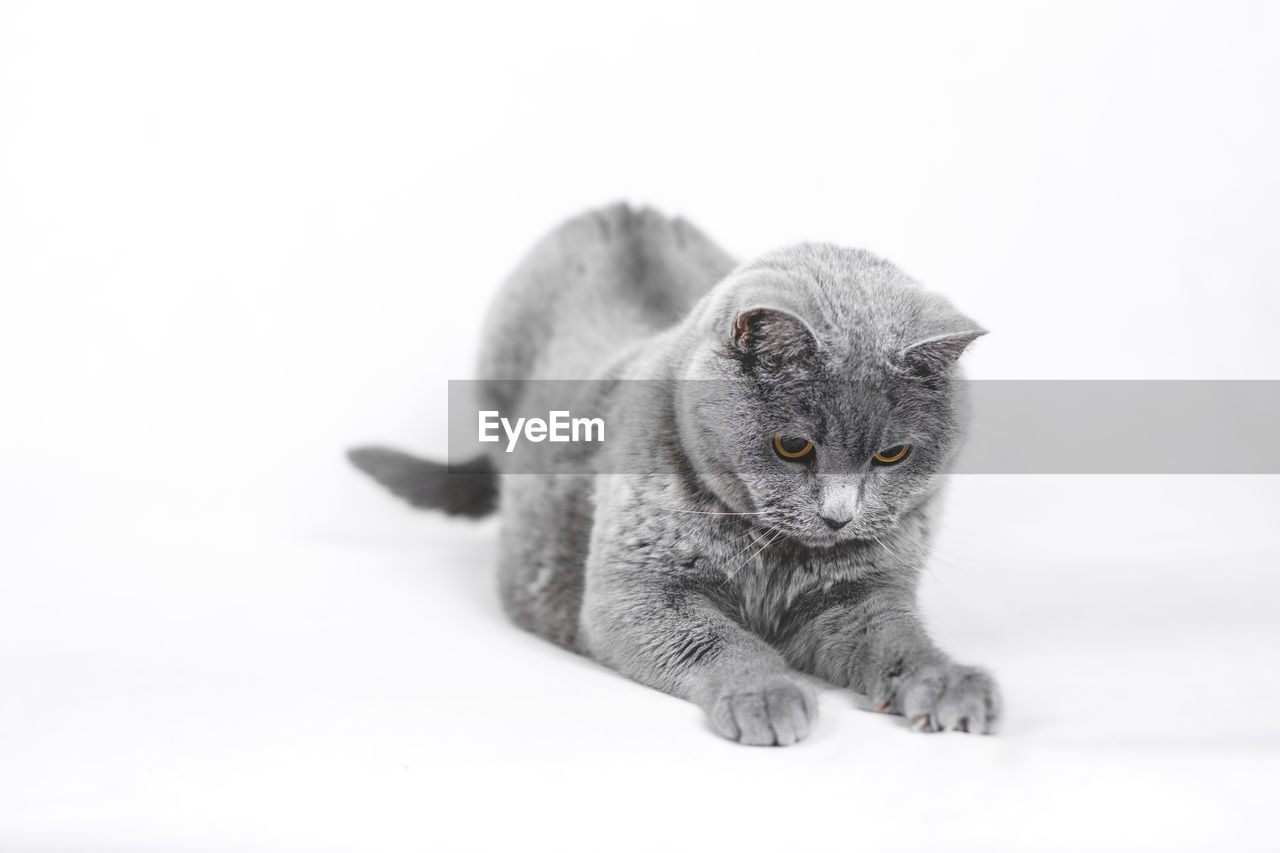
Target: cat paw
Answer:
[[945, 698], [778, 713]]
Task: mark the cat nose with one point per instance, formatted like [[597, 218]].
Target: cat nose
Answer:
[[839, 503]]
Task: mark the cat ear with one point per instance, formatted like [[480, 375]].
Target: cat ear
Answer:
[[772, 334], [937, 354]]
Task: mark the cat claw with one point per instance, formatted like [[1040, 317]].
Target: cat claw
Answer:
[[883, 706], [949, 697]]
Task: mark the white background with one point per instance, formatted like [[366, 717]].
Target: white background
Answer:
[[236, 238]]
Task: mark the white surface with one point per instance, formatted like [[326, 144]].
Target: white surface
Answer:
[[234, 240], [358, 689]]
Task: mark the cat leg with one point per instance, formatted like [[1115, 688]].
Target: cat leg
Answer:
[[668, 634], [874, 641]]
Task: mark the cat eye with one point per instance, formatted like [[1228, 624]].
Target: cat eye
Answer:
[[792, 448], [892, 455]]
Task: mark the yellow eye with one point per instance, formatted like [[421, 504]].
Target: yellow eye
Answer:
[[792, 448], [893, 454]]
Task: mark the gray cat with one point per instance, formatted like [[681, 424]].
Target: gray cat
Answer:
[[790, 521]]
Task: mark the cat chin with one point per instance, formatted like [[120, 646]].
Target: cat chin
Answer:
[[822, 539]]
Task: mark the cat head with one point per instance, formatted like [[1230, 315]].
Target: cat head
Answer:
[[834, 404]]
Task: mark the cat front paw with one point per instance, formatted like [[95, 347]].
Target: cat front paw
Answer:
[[944, 698], [776, 713]]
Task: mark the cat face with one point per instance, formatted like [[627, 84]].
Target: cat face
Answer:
[[829, 430], [825, 459]]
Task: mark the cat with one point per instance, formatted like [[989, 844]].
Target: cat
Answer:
[[791, 520]]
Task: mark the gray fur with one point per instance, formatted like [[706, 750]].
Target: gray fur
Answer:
[[471, 489], [722, 581]]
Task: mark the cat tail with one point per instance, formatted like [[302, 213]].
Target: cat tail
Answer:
[[468, 489]]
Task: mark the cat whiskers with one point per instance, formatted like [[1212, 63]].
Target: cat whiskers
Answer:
[[881, 543], [740, 537], [750, 534], [701, 511], [729, 516], [773, 533], [769, 536], [924, 563]]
